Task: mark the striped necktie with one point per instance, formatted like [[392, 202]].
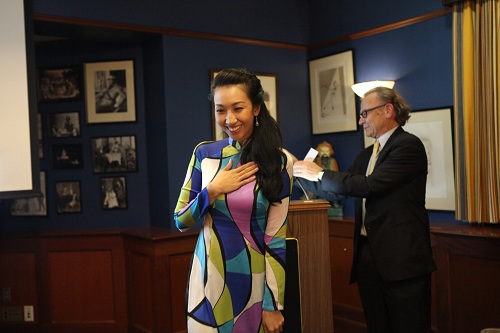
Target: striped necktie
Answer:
[[373, 160], [376, 146]]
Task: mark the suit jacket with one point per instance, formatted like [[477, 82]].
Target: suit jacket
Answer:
[[396, 219]]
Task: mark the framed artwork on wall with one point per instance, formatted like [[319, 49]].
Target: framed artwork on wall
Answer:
[[67, 156], [59, 84], [110, 92], [333, 103], [68, 197], [114, 154], [434, 128], [33, 206], [269, 83], [64, 125], [114, 192], [40, 135]]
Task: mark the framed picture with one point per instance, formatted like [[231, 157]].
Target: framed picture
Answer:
[[64, 125], [33, 206], [59, 84], [114, 154], [67, 156], [434, 128], [114, 192], [333, 104], [110, 92], [269, 83], [40, 135], [68, 197]]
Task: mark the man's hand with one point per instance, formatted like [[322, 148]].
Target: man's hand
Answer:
[[307, 170], [272, 321]]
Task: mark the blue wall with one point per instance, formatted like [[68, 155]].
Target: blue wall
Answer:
[[277, 20], [172, 83], [332, 19], [187, 74], [63, 55], [418, 57]]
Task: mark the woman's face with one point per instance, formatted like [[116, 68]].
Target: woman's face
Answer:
[[234, 112]]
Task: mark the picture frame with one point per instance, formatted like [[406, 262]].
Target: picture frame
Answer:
[[40, 136], [113, 154], [67, 156], [32, 206], [59, 84], [269, 82], [113, 192], [64, 125], [68, 197], [333, 103], [110, 92], [434, 127]]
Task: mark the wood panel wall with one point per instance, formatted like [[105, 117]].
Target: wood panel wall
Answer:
[[135, 280], [157, 272], [468, 277], [19, 275], [465, 287], [91, 268], [347, 310]]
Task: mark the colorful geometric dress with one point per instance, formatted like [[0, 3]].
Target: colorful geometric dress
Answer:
[[238, 266]]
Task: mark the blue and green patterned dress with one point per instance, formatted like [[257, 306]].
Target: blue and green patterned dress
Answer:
[[238, 266]]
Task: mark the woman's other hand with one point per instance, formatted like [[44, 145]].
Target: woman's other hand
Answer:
[[272, 321]]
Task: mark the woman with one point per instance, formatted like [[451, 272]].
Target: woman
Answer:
[[240, 189]]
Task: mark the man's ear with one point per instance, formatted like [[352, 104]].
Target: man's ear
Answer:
[[389, 111]]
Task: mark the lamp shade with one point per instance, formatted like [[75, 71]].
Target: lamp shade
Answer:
[[361, 88]]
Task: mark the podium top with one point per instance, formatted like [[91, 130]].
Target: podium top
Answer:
[[316, 204]]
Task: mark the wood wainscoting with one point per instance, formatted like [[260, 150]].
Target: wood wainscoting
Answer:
[[157, 273], [468, 276], [103, 281], [465, 287], [90, 269], [348, 314], [134, 280]]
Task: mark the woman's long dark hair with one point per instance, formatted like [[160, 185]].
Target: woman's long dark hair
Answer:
[[264, 147]]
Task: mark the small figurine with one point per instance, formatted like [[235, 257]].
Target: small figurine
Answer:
[[326, 160], [325, 157]]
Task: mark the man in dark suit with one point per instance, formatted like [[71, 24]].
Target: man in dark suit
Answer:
[[392, 261]]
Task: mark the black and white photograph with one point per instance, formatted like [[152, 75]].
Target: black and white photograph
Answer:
[[64, 125], [32, 206], [40, 135], [110, 92], [114, 192], [68, 197], [114, 154], [59, 84], [67, 156]]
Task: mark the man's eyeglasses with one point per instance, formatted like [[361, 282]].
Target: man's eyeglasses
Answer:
[[364, 113]]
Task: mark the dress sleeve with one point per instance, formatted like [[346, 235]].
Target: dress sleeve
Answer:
[[193, 203], [275, 256]]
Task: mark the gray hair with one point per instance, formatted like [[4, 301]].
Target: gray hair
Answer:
[[387, 95]]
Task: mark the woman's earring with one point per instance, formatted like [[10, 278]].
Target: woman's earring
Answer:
[[256, 121]]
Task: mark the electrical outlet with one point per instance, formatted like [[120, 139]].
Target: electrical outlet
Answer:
[[12, 313], [29, 315]]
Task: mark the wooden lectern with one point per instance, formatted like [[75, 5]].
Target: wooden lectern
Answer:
[[308, 223]]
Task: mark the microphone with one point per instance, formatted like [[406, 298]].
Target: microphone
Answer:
[[302, 188]]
